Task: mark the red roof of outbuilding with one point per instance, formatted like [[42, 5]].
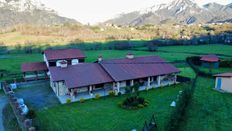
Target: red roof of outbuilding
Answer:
[[138, 67], [210, 58], [224, 75], [35, 66], [80, 75], [63, 54]]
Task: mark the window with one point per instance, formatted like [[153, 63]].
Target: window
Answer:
[[75, 61]]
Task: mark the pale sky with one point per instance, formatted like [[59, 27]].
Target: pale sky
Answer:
[[93, 11]]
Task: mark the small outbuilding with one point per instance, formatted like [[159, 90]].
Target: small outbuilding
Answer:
[[224, 82], [210, 61], [34, 71]]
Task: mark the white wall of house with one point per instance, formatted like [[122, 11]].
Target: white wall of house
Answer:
[[45, 60], [82, 89], [58, 63], [59, 88], [226, 83], [123, 84]]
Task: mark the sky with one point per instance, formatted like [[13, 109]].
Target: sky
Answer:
[[94, 11]]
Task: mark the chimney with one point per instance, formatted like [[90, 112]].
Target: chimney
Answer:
[[99, 59], [130, 56], [63, 64]]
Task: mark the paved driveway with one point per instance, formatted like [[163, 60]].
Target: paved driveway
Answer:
[[3, 102], [38, 97]]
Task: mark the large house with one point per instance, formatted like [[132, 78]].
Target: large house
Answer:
[[71, 78]]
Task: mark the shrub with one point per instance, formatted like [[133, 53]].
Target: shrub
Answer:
[[68, 100], [128, 90], [82, 100], [134, 102], [111, 93], [140, 106], [31, 114], [119, 93], [97, 96], [146, 104], [146, 88]]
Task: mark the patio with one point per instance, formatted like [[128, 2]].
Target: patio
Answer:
[[105, 92]]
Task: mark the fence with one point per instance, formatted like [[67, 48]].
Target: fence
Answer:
[[24, 123], [27, 84], [182, 103]]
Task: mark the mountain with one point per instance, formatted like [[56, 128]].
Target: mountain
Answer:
[[229, 5], [13, 12], [177, 11]]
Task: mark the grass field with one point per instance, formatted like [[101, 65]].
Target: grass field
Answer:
[[187, 72], [12, 62], [210, 110], [104, 114], [201, 49], [215, 70]]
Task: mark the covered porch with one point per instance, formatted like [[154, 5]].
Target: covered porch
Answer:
[[90, 92], [34, 71], [87, 92]]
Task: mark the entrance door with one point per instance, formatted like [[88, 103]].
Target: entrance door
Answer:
[[219, 83]]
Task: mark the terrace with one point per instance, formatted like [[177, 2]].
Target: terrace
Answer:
[[104, 91]]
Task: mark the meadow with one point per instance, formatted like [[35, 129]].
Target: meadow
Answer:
[[210, 110]]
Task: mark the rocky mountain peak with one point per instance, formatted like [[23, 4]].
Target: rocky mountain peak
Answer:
[[13, 12], [177, 11]]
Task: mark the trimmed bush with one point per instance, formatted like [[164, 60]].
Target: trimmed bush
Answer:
[[97, 96], [119, 93], [140, 106], [82, 100], [68, 100], [111, 93]]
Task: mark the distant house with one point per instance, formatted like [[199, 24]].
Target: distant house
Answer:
[[71, 80], [210, 60], [224, 82]]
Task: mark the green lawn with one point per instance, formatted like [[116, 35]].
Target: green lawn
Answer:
[[210, 110], [202, 49], [104, 114], [187, 72], [216, 70]]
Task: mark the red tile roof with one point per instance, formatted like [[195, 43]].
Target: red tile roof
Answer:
[[36, 66], [224, 75], [138, 67], [210, 58], [64, 54], [80, 75]]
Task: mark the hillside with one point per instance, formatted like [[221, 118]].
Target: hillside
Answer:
[[14, 12], [177, 11], [71, 33]]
